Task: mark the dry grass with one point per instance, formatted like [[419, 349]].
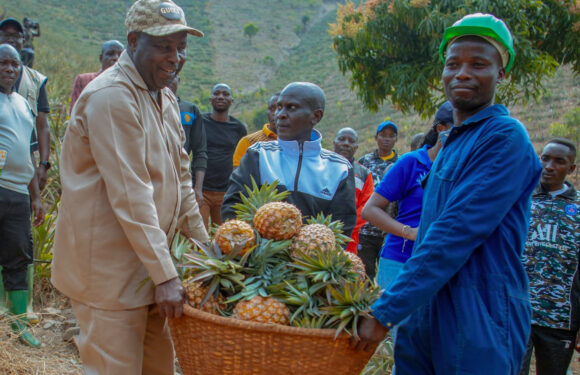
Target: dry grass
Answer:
[[55, 356]]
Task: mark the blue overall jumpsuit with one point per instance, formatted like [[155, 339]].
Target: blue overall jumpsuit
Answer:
[[464, 289]]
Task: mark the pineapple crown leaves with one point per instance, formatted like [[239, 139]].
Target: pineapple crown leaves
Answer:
[[256, 197], [325, 267], [302, 300], [349, 303], [268, 253], [335, 226], [306, 321], [266, 266], [210, 266]]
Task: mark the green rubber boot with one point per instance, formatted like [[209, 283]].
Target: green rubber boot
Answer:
[[18, 300], [3, 304], [31, 316]]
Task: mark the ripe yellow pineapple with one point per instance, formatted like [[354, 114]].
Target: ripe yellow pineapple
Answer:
[[235, 233], [311, 237], [263, 310], [278, 220], [357, 264], [196, 292], [262, 206]]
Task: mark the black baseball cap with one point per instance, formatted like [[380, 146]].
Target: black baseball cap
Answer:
[[11, 21]]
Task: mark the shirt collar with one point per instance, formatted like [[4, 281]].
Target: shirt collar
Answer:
[[126, 64], [570, 193], [128, 67], [423, 155], [312, 147], [484, 114]]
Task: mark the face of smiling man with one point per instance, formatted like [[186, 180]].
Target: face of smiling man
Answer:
[[157, 58], [9, 68]]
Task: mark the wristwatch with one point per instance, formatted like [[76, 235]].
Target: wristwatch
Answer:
[[46, 163]]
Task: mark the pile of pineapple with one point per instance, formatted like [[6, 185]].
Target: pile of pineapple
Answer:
[[267, 266]]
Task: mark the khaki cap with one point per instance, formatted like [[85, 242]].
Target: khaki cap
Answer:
[[157, 18]]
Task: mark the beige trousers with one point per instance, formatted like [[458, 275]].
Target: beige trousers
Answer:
[[211, 207], [125, 342]]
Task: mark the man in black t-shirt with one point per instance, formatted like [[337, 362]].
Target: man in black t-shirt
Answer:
[[223, 133], [195, 139]]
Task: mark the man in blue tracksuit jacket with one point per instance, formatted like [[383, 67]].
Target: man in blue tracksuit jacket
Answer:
[[319, 181], [464, 290]]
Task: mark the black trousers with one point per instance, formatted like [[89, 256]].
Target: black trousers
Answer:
[[554, 349], [369, 249], [15, 239]]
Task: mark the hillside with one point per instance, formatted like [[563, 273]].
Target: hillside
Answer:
[[285, 49]]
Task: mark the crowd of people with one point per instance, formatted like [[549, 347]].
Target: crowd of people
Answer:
[[471, 236]]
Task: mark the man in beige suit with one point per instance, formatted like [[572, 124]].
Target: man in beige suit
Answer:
[[126, 189]]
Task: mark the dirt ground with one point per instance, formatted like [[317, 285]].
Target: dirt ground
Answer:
[[60, 357]]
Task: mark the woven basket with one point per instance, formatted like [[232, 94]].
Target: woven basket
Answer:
[[208, 344]]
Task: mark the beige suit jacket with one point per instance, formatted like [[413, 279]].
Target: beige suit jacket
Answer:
[[126, 189]]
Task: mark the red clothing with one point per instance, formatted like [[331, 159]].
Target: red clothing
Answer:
[[81, 81], [364, 189]]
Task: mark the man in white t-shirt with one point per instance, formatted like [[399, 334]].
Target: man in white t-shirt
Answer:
[[19, 192]]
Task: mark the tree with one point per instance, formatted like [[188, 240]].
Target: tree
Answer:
[[305, 20], [250, 30], [390, 47], [569, 128]]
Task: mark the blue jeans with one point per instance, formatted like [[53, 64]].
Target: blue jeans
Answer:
[[388, 270]]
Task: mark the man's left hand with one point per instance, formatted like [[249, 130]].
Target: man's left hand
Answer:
[[169, 297], [370, 333], [38, 211]]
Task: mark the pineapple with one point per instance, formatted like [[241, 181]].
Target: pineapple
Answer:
[[198, 297], [213, 273], [235, 233], [357, 264], [312, 237], [319, 233], [272, 218], [278, 220], [263, 310]]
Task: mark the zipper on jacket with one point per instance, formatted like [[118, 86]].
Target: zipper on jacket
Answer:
[[299, 166]]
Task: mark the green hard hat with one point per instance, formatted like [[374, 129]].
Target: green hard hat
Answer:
[[480, 24]]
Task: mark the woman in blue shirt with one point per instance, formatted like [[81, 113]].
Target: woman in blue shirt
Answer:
[[402, 184]]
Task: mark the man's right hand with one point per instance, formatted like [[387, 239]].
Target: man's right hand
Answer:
[[170, 297], [370, 333]]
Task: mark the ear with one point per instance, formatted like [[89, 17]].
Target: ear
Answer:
[[572, 168], [317, 116], [101, 57], [500, 75], [441, 127], [132, 39]]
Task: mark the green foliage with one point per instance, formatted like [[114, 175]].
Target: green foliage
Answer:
[[383, 360], [250, 30], [390, 47], [569, 128], [43, 240]]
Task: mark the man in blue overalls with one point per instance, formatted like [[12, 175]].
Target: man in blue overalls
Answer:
[[464, 290]]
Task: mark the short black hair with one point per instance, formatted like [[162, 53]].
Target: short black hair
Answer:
[[565, 142]]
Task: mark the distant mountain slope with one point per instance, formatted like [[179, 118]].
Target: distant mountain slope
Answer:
[[292, 44]]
